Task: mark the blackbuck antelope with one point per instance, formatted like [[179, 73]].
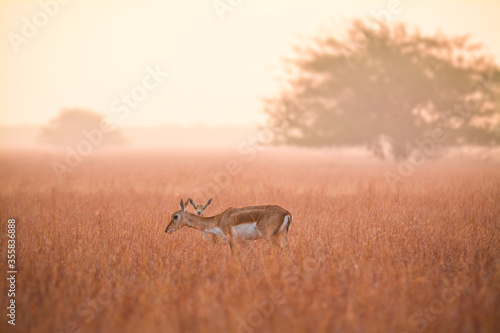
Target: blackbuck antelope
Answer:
[[270, 222], [200, 210]]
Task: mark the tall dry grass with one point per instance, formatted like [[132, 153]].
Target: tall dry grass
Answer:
[[362, 257]]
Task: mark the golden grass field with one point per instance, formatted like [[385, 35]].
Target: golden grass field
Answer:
[[362, 256]]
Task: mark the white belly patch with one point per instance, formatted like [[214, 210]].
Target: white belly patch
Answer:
[[215, 231], [246, 231]]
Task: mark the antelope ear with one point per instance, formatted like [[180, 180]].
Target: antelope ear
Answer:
[[209, 202], [183, 208], [192, 203]]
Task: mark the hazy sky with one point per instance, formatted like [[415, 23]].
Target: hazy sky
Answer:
[[90, 53]]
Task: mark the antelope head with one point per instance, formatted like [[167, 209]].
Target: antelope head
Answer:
[[178, 220], [200, 208]]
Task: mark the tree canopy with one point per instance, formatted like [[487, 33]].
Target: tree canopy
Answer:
[[386, 85], [74, 125]]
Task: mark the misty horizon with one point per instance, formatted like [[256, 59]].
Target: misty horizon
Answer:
[[101, 67]]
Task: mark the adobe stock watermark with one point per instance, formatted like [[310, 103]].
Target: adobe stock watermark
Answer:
[[420, 319], [392, 9], [90, 308], [248, 150], [122, 108], [266, 308], [262, 310], [30, 27], [424, 148], [427, 147], [221, 7]]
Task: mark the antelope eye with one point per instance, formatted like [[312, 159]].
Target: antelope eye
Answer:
[[176, 217]]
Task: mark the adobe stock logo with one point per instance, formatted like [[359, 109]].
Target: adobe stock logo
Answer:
[[31, 26], [121, 107], [223, 6]]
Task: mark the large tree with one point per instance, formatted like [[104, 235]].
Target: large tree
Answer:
[[386, 85]]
